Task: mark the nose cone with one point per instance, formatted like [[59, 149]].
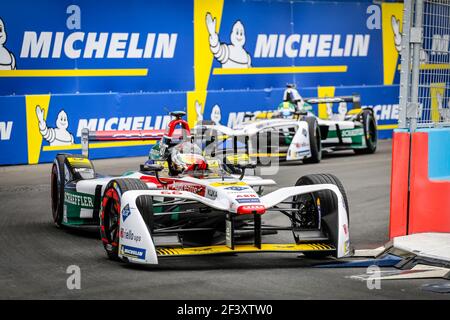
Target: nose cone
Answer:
[[251, 209]]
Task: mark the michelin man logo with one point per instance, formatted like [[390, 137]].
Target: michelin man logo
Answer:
[[229, 55], [395, 23], [7, 60], [216, 114], [58, 136]]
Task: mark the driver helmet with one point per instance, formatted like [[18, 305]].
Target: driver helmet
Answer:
[[155, 152], [286, 109], [187, 156]]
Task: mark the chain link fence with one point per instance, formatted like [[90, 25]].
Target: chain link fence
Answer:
[[425, 80]]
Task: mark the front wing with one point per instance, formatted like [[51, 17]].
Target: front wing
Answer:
[[141, 249]]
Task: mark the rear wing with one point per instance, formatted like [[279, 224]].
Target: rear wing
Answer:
[[121, 135], [355, 99]]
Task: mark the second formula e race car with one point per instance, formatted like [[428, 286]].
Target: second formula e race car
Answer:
[[293, 132], [180, 203]]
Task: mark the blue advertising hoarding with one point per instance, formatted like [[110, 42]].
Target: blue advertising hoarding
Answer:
[[269, 44], [97, 46], [115, 65]]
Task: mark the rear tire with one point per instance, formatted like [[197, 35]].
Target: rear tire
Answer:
[[111, 210], [328, 201], [370, 133], [315, 144]]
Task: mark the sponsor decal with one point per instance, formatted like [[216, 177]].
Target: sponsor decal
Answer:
[[211, 194], [248, 200], [6, 129], [352, 132], [311, 45], [92, 44], [246, 195], [228, 234], [82, 200], [57, 136], [133, 252], [171, 192], [228, 184], [385, 111], [126, 212], [78, 161], [345, 229], [302, 152], [233, 55], [88, 45], [304, 132], [236, 188], [7, 58], [189, 187], [65, 213], [124, 123], [129, 235]]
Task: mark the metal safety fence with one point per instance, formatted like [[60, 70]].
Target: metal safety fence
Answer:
[[425, 64]]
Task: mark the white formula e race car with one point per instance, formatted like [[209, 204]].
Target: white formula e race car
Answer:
[[293, 132], [179, 203]]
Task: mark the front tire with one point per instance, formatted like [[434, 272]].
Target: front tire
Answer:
[[370, 133], [57, 183], [111, 211], [315, 143], [327, 200]]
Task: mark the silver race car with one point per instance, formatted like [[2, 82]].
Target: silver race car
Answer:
[[293, 132], [181, 203]]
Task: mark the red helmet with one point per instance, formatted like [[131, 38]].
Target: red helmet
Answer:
[[187, 156]]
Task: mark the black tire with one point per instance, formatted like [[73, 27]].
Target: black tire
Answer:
[[110, 212], [62, 173], [315, 143], [370, 133], [57, 182], [328, 202]]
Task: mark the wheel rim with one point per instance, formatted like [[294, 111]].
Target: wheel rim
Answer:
[[110, 218], [306, 216]]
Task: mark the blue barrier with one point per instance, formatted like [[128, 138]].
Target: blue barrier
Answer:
[[438, 153]]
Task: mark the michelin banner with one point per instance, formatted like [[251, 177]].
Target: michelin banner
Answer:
[[107, 65], [62, 46], [50, 124]]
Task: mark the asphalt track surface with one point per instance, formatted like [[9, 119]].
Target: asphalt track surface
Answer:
[[34, 254]]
